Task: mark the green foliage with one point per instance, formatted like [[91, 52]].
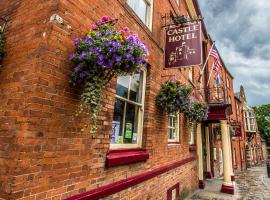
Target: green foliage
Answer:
[[197, 111], [262, 114], [173, 96]]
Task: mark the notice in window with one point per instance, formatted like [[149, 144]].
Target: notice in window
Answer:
[[128, 134], [115, 132]]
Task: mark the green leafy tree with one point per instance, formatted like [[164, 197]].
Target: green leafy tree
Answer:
[[263, 119]]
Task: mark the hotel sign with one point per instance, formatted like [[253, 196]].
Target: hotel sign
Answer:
[[183, 45]]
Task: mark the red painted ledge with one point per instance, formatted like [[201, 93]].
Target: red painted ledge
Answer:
[[201, 184], [125, 156], [118, 186]]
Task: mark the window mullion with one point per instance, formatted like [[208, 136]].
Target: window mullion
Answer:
[[124, 120]]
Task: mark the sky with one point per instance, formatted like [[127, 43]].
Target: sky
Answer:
[[241, 31]]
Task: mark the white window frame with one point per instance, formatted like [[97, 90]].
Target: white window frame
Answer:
[[149, 14], [190, 73], [250, 121], [177, 127], [140, 117], [192, 134]]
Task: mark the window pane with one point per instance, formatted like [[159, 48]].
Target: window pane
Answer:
[[172, 122], [136, 88], [117, 122], [140, 8], [122, 86], [131, 124]]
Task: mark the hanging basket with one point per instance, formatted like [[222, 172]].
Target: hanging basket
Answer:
[[105, 52]]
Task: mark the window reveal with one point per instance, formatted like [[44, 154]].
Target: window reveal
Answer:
[[128, 110]]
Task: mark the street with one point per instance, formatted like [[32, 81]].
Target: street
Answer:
[[251, 184]]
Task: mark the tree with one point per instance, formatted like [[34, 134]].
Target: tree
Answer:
[[262, 114]]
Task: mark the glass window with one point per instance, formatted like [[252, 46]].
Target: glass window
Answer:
[[143, 8], [173, 127], [128, 110]]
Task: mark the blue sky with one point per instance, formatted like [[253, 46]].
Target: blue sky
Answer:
[[241, 29]]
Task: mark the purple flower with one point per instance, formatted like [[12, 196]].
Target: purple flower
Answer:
[[105, 18], [116, 44], [128, 55], [131, 39], [117, 58], [100, 62], [108, 32], [110, 64], [100, 23], [76, 42], [112, 50], [82, 75], [82, 55], [140, 60], [130, 47], [72, 56]]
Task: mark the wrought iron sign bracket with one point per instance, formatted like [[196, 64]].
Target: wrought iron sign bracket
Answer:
[[171, 20], [5, 20]]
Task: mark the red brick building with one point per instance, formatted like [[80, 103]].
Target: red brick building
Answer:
[[45, 150]]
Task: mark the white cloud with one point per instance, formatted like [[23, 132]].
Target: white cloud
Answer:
[[241, 31]]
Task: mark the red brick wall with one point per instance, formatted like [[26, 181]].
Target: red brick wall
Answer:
[[44, 153]]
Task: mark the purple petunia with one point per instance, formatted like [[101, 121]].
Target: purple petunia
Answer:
[[105, 48]]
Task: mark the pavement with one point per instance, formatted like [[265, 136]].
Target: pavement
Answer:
[[251, 184]]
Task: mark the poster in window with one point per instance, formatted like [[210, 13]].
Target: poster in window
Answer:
[[115, 132], [128, 133]]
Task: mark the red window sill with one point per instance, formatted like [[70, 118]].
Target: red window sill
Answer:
[[125, 156], [192, 147]]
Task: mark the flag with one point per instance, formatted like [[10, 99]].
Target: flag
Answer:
[[217, 63]]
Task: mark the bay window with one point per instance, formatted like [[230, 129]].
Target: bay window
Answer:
[[144, 10], [128, 111], [173, 127]]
